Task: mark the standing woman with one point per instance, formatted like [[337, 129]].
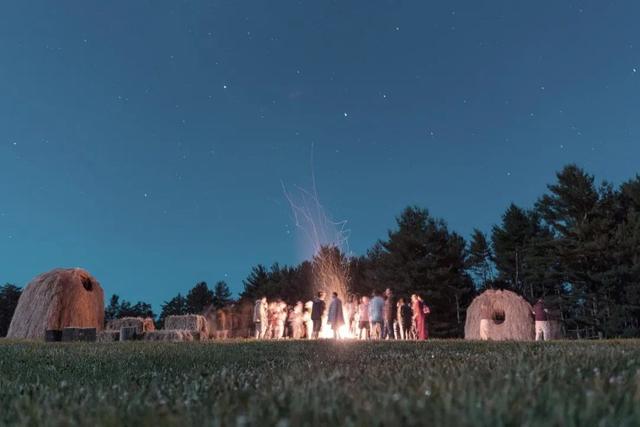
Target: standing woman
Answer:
[[418, 317]]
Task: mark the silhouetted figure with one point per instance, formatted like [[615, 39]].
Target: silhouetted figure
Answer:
[[336, 315], [317, 311]]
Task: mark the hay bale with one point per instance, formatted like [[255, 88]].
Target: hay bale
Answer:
[[129, 333], [243, 320], [168, 335], [108, 336], [56, 300], [509, 317], [139, 323], [189, 322], [222, 324]]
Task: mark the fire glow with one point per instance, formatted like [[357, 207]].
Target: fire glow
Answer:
[[329, 242]]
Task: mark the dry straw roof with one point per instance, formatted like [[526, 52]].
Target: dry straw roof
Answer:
[[510, 317]]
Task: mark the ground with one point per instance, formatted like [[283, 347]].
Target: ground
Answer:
[[432, 383]]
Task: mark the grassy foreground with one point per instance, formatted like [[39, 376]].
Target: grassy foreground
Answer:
[[321, 383]]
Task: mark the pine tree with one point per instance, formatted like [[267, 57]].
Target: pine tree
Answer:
[[113, 309], [176, 306], [479, 260], [199, 298], [256, 284], [118, 309], [422, 256], [582, 219], [221, 295], [9, 296]]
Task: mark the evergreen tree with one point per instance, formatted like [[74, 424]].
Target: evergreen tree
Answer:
[[221, 295], [583, 220], [479, 260], [118, 309], [113, 309], [9, 296], [199, 298], [510, 243], [422, 256], [256, 284], [176, 306]]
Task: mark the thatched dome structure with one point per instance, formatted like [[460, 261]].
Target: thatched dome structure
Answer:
[[58, 299], [507, 317]]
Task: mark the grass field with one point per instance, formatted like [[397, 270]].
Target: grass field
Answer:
[[321, 383]]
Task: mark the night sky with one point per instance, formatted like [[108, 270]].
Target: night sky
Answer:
[[148, 141]]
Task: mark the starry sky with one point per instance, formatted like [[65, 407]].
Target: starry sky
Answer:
[[148, 141]]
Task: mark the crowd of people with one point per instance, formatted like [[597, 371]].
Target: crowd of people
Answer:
[[379, 316]]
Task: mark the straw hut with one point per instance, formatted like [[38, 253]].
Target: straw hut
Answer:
[[501, 315], [56, 300]]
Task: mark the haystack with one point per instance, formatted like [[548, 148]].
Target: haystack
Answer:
[[508, 317], [189, 322], [243, 327], [56, 300], [140, 323]]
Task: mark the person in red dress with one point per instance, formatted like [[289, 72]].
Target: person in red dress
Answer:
[[417, 307]]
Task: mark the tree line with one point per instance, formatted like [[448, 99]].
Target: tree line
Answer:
[[578, 246]]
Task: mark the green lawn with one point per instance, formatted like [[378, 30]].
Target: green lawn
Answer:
[[448, 383]]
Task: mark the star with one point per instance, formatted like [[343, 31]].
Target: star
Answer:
[[224, 86]]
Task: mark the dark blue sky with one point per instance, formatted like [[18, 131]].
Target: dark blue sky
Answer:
[[147, 140]]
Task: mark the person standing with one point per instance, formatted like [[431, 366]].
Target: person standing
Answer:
[[280, 319], [543, 330], [427, 311], [404, 318], [418, 317], [376, 315], [389, 315], [335, 317], [317, 311], [306, 319], [352, 315], [297, 329], [261, 318], [256, 318], [485, 319], [363, 319]]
